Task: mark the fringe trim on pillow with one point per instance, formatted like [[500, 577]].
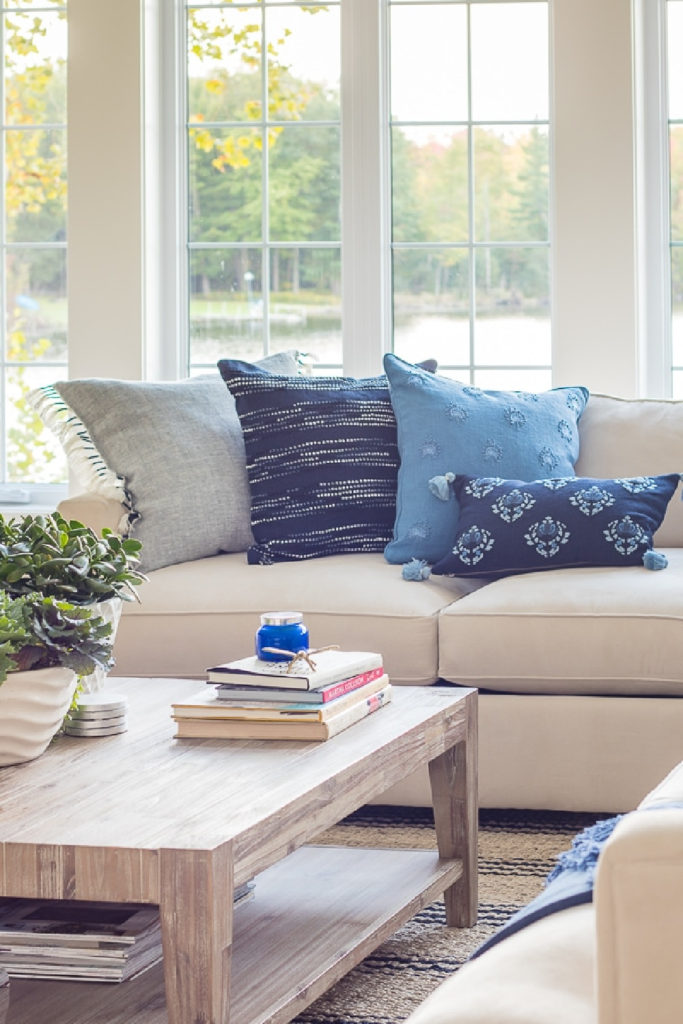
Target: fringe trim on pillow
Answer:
[[82, 455]]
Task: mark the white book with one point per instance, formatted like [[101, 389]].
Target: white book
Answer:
[[330, 667]]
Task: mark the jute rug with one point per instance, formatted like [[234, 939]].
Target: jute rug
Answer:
[[517, 850]]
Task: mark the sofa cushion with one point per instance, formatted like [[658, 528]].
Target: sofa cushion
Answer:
[[600, 631], [171, 451], [635, 437], [542, 974], [205, 612], [444, 425], [509, 526], [321, 459]]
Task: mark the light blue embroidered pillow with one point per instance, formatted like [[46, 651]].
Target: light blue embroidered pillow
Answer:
[[507, 527], [513, 434]]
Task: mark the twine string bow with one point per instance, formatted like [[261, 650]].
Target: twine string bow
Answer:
[[303, 655]]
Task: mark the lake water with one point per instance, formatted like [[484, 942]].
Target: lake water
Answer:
[[519, 343]]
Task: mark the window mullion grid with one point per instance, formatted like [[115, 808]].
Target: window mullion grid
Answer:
[[470, 198], [265, 182]]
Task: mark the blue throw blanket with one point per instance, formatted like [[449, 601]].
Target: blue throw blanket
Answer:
[[571, 880], [568, 884]]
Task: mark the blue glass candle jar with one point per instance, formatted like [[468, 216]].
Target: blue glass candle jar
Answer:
[[284, 630]]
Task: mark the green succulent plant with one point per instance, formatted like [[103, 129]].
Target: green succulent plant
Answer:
[[66, 560], [43, 632]]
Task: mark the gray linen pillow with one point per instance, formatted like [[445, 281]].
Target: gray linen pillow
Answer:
[[172, 452]]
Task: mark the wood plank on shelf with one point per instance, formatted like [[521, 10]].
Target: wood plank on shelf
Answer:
[[314, 916]]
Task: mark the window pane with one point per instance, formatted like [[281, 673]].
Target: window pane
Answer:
[[303, 186], [512, 324], [303, 63], [509, 61], [428, 62], [33, 452], [225, 184], [511, 183], [293, 197], [431, 305], [305, 302], [35, 185], [676, 181], [513, 380], [226, 305], [36, 312], [35, 68], [498, 192], [33, 215], [677, 305], [33, 3], [674, 10], [224, 64], [430, 197]]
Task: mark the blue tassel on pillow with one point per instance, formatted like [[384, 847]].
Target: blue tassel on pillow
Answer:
[[416, 569], [655, 560], [440, 486]]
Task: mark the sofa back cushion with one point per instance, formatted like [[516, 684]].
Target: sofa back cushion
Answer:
[[635, 437]]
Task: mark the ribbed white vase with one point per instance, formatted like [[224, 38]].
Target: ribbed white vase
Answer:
[[111, 612], [32, 707]]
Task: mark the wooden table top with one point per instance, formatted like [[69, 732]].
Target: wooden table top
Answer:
[[145, 790]]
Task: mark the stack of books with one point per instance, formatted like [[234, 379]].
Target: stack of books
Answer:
[[254, 699], [77, 941]]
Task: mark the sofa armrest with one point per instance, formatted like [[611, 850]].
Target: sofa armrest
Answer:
[[639, 911], [95, 511]]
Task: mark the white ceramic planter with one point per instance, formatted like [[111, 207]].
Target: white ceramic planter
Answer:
[[111, 612], [32, 706]]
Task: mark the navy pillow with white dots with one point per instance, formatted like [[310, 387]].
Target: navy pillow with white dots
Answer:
[[322, 461]]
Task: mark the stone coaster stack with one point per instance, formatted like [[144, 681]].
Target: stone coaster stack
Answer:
[[98, 714]]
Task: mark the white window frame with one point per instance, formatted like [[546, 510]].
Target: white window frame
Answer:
[[18, 496], [125, 219], [652, 197]]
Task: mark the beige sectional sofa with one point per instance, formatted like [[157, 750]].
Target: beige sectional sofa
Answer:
[[580, 670], [613, 961]]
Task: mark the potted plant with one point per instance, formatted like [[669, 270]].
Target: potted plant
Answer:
[[46, 646], [67, 560], [45, 554]]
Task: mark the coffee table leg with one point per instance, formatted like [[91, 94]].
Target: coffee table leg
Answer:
[[453, 778], [195, 907]]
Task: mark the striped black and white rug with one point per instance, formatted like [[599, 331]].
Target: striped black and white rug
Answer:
[[517, 850]]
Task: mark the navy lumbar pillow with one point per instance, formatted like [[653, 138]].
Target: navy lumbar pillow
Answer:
[[515, 526], [511, 434], [322, 462]]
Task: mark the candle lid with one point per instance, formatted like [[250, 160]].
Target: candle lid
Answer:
[[281, 618]]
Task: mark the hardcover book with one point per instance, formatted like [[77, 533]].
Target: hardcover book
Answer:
[[203, 705], [330, 667], [275, 694], [221, 728]]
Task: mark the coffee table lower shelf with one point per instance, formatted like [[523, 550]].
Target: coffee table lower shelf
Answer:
[[315, 915]]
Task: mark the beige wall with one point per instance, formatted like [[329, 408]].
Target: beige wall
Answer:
[[105, 224]]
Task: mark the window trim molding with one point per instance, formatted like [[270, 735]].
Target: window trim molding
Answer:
[[652, 198], [365, 324]]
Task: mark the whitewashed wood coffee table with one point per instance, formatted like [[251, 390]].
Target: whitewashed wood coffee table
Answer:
[[142, 817]]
